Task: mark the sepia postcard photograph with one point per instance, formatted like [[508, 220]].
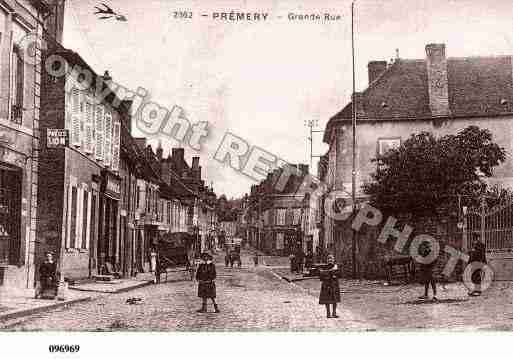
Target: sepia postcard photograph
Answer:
[[240, 166]]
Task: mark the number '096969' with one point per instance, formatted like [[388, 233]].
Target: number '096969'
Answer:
[[64, 348]]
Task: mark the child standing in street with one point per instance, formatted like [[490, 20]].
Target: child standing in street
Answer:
[[206, 275], [330, 288], [426, 271]]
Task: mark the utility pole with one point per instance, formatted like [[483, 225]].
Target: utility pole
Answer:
[[311, 124], [353, 172]]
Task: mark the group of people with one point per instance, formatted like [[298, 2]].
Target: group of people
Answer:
[[299, 261], [427, 275], [329, 295]]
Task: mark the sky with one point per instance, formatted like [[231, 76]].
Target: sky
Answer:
[[263, 80]]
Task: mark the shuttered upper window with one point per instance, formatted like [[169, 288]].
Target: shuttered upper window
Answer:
[[88, 126], [17, 84], [75, 117], [99, 132]]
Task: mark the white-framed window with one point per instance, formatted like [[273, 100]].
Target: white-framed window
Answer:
[[72, 214], [17, 72], [280, 216], [386, 144]]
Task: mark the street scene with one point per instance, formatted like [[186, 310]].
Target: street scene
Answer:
[[258, 299], [177, 167]]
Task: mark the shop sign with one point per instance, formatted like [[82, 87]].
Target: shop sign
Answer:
[[112, 185], [57, 138]]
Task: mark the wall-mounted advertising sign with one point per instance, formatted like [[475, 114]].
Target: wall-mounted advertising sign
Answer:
[[57, 138]]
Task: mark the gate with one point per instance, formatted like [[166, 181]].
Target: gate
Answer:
[[494, 225]]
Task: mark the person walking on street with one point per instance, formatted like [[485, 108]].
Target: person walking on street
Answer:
[[255, 259], [300, 261], [330, 289], [478, 255], [308, 260], [227, 259], [206, 275], [154, 264], [292, 259], [426, 271]]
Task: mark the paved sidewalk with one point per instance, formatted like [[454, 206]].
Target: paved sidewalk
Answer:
[[14, 306], [18, 306]]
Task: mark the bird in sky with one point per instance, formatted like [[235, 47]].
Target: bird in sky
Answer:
[[108, 13]]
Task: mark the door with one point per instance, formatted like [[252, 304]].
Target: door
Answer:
[[10, 215]]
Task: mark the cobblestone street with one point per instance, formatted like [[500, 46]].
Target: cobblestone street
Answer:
[[257, 299]]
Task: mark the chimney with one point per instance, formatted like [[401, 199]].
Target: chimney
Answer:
[[126, 114], [303, 169], [195, 163], [177, 154], [438, 85], [54, 24], [375, 69], [160, 151], [141, 142]]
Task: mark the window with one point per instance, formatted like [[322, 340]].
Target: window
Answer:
[[92, 227], [386, 144], [75, 117], [85, 216], [73, 217], [17, 84], [280, 216]]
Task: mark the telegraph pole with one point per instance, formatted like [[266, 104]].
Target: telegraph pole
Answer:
[[353, 122], [311, 124]]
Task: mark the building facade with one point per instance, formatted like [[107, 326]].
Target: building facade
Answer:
[[438, 94], [278, 219], [81, 188], [21, 26]]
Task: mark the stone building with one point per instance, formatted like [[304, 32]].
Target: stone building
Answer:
[[437, 93], [278, 219], [21, 28]]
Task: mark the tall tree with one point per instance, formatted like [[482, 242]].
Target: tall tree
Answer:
[[426, 174]]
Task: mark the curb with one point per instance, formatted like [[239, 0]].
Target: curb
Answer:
[[287, 279], [31, 311], [121, 290]]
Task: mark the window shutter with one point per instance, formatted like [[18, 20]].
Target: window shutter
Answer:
[[20, 77], [89, 126], [115, 146], [108, 139], [82, 117], [75, 117], [99, 133]]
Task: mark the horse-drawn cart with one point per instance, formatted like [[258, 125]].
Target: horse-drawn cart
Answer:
[[175, 253]]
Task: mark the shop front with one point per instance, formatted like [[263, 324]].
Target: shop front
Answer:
[[108, 243]]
